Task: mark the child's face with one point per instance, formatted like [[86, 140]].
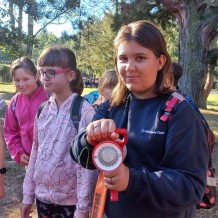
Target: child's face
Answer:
[[55, 79], [106, 92], [138, 68], [25, 82]]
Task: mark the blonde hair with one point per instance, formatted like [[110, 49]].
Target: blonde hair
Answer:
[[147, 35], [62, 57], [107, 79]]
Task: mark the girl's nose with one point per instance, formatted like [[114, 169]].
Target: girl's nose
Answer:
[[21, 83], [130, 65]]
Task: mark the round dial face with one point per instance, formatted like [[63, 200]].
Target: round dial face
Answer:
[[107, 156]]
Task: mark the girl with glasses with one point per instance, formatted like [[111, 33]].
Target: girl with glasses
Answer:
[[62, 188], [20, 114]]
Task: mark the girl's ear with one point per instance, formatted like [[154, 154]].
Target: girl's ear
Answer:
[[71, 75], [37, 77], [162, 60]]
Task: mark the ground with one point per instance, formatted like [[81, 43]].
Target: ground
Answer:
[[10, 205]]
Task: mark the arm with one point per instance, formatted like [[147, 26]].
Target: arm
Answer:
[[28, 184], [1, 163], [81, 150], [12, 135], [86, 179]]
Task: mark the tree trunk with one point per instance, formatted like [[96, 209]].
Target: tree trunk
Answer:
[[20, 18], [29, 49], [197, 22], [193, 54], [11, 11], [209, 84]]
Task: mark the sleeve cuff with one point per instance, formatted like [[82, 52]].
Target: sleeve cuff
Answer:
[[17, 156], [28, 199]]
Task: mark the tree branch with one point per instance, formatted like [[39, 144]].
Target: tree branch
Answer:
[[50, 22]]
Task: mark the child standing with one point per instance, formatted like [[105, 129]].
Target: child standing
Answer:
[[59, 184], [165, 169], [20, 114]]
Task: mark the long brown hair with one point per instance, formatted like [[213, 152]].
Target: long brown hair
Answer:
[[149, 36], [64, 57]]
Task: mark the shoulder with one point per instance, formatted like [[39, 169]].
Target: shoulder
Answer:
[[185, 116]]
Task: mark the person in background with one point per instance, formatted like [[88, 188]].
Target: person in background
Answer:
[[2, 158], [62, 188], [164, 171], [107, 81], [20, 114], [177, 70]]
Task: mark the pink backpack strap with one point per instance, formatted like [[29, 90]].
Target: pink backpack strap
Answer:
[[174, 99]]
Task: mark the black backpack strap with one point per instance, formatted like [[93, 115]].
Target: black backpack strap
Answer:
[[40, 109], [75, 110]]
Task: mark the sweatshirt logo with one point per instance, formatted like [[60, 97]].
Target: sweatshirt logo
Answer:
[[153, 132]]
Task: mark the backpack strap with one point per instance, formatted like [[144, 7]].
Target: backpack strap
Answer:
[[14, 103], [75, 110], [40, 109], [174, 99]]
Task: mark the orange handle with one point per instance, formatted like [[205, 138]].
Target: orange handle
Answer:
[[99, 198]]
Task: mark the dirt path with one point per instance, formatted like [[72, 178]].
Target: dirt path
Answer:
[[10, 205]]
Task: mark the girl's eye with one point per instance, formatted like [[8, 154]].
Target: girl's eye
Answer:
[[140, 58], [122, 59]]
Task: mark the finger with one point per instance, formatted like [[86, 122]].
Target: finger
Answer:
[[109, 181]]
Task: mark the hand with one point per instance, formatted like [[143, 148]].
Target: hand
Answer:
[[25, 210], [78, 214], [24, 160], [101, 130], [117, 180]]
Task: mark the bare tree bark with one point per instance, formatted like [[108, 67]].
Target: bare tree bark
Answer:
[[20, 17], [197, 24], [11, 11]]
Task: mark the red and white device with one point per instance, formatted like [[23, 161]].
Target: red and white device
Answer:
[[109, 155]]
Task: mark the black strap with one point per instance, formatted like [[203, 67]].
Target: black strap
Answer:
[[40, 109], [75, 110]]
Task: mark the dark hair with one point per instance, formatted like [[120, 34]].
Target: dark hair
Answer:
[[64, 57], [177, 70], [148, 35], [23, 62]]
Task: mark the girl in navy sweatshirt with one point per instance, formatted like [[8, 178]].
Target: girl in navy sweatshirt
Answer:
[[164, 171]]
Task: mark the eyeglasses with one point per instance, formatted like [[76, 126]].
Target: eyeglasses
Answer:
[[51, 73]]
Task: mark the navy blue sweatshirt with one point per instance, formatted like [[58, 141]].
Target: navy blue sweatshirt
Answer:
[[167, 160]]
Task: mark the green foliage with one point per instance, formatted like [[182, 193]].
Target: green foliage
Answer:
[[5, 73], [130, 11], [14, 42], [43, 40], [94, 46]]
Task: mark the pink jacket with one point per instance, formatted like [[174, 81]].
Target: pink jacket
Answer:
[[52, 176], [19, 120]]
